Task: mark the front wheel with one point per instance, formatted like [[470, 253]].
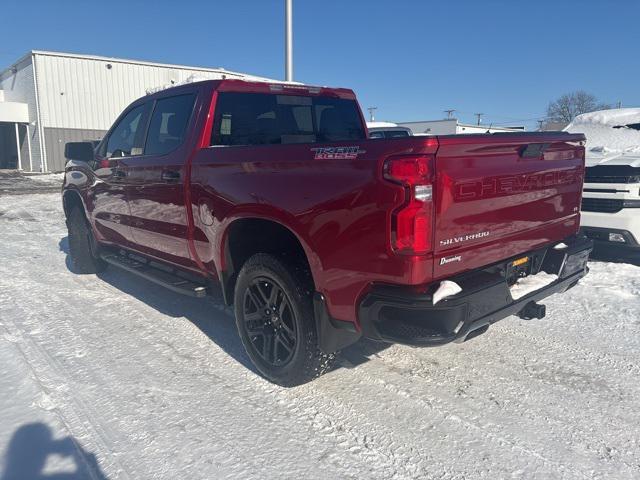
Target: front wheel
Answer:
[[275, 320]]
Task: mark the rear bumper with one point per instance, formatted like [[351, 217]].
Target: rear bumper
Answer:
[[395, 314]]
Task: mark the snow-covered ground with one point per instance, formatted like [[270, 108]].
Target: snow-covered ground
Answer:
[[18, 183], [124, 380]]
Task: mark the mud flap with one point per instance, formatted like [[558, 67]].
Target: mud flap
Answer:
[[333, 335]]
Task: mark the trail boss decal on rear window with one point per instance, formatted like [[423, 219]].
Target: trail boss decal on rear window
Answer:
[[337, 153], [464, 238]]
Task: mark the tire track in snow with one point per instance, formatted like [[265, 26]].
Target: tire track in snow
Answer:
[[56, 301], [72, 411], [52, 374]]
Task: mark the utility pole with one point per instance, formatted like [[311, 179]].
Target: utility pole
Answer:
[[449, 113], [371, 111], [619, 104], [540, 123], [288, 41], [479, 115]]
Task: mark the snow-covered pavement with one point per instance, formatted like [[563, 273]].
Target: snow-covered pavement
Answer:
[[122, 379], [18, 183]]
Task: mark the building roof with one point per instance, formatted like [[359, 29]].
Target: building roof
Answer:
[[432, 121], [465, 125], [220, 70]]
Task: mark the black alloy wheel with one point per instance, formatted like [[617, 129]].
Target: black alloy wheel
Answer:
[[269, 321], [276, 322]]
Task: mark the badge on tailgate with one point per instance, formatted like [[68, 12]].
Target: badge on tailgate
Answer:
[[463, 238]]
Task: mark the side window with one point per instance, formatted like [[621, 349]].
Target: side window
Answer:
[[168, 124], [127, 138]]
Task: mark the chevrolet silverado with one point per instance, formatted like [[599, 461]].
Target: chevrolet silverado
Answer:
[[316, 234]]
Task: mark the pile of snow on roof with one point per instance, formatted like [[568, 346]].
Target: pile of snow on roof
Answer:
[[609, 132], [203, 76]]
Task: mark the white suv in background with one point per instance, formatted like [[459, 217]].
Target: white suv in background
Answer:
[[611, 198]]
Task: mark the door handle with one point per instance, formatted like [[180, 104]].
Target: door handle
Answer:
[[170, 176], [119, 174]]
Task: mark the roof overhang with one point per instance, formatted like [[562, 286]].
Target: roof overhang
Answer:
[[14, 112]]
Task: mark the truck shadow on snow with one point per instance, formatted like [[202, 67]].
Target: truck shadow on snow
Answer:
[[29, 451], [210, 315]]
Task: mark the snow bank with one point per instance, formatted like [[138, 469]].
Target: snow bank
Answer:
[[48, 178]]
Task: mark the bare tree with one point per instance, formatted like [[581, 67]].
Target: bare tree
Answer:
[[569, 105]]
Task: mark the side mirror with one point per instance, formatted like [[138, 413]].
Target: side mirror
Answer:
[[79, 151]]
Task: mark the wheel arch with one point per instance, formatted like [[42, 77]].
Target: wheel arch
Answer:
[[246, 236], [71, 199]]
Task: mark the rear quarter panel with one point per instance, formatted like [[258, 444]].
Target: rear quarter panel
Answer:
[[337, 208]]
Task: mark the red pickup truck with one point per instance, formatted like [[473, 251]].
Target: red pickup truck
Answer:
[[318, 235]]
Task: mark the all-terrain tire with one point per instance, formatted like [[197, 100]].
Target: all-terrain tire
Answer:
[[290, 365], [82, 245]]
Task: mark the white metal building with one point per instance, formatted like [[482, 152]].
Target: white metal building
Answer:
[[451, 126], [50, 98]]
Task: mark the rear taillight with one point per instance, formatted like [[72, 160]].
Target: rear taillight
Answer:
[[412, 223]]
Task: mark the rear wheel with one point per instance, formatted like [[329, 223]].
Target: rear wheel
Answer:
[[274, 316], [82, 245]]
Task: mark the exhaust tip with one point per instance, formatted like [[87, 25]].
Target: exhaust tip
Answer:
[[477, 332]]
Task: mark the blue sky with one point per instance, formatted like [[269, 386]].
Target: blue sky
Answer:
[[411, 59]]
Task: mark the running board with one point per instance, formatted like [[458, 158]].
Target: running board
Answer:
[[166, 278]]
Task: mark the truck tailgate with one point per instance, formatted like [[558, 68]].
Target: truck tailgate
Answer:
[[500, 195]]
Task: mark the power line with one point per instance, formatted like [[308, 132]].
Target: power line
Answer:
[[521, 120], [511, 119]]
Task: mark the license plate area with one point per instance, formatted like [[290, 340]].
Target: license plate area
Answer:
[[574, 263], [517, 269], [568, 260]]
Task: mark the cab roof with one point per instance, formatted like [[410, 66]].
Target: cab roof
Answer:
[[280, 88]]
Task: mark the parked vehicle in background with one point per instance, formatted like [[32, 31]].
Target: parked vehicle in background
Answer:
[[387, 130], [611, 199], [318, 235]]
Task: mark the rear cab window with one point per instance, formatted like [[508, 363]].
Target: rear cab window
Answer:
[[273, 119], [168, 125]]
